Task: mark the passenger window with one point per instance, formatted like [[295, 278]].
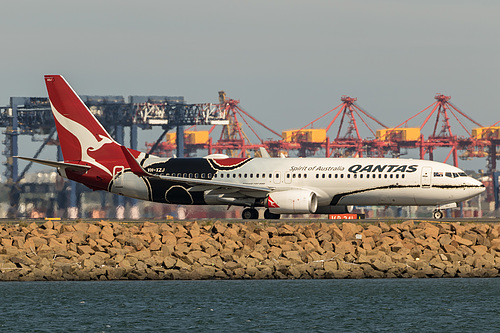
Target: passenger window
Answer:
[[323, 176], [355, 176], [305, 175], [336, 175], [397, 176], [190, 175], [342, 175], [361, 176], [403, 175], [251, 175], [184, 175], [234, 175], [202, 175], [256, 175], [385, 175], [348, 175], [209, 175], [245, 175], [329, 175], [294, 176], [287, 175], [392, 175], [317, 175], [299, 175]]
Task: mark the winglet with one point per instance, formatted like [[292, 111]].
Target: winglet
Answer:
[[264, 153], [135, 167]]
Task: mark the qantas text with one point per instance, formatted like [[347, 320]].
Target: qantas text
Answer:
[[382, 168]]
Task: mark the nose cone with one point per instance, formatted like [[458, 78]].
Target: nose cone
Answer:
[[474, 187]]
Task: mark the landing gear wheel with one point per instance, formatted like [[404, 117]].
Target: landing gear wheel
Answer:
[[271, 216], [438, 214], [250, 214]]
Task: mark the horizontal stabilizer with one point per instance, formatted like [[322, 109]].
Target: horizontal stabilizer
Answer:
[[64, 165], [135, 167]]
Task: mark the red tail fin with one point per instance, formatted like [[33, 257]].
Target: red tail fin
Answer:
[[77, 128], [82, 137]]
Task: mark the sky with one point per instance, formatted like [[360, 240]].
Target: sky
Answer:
[[288, 62]]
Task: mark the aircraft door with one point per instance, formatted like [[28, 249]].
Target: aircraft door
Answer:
[[288, 177], [426, 177], [118, 175], [277, 177]]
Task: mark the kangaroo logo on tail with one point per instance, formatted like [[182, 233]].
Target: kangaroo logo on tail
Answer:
[[82, 137], [88, 141]]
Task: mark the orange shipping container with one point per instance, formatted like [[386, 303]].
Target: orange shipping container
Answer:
[[402, 134]]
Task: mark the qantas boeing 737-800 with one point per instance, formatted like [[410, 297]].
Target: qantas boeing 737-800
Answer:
[[280, 185]]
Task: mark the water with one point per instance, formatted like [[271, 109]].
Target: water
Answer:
[[386, 305]]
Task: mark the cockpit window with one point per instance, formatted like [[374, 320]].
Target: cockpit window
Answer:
[[451, 174], [438, 174]]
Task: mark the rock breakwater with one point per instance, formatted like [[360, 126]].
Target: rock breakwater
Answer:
[[252, 250]]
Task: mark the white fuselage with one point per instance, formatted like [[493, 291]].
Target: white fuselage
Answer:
[[348, 181]]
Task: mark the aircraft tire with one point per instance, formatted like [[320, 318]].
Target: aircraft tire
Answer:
[[250, 214], [438, 214], [271, 216]]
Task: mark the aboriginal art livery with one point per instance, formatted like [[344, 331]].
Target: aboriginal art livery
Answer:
[[278, 185]]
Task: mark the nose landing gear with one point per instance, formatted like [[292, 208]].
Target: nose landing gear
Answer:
[[437, 214]]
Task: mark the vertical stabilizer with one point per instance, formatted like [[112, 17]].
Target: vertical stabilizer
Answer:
[[82, 138]]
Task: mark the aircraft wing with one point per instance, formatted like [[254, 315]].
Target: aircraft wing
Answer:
[[205, 184]]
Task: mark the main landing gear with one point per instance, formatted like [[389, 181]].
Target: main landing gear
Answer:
[[253, 214], [250, 214], [438, 214], [271, 216]]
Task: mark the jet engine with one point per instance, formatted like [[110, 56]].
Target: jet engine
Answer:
[[292, 202]]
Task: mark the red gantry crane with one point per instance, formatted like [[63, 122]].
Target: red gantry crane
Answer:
[[347, 142], [233, 140]]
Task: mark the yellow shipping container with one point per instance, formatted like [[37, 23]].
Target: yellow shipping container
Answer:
[[190, 137], [288, 135], [305, 135], [486, 132], [196, 137], [170, 137], [314, 135], [402, 134]]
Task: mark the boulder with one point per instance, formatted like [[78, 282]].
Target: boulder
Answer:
[[462, 241]]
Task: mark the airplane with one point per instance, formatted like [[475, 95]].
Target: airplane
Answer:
[[279, 185]]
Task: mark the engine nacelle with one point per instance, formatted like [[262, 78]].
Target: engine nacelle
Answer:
[[292, 202]]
